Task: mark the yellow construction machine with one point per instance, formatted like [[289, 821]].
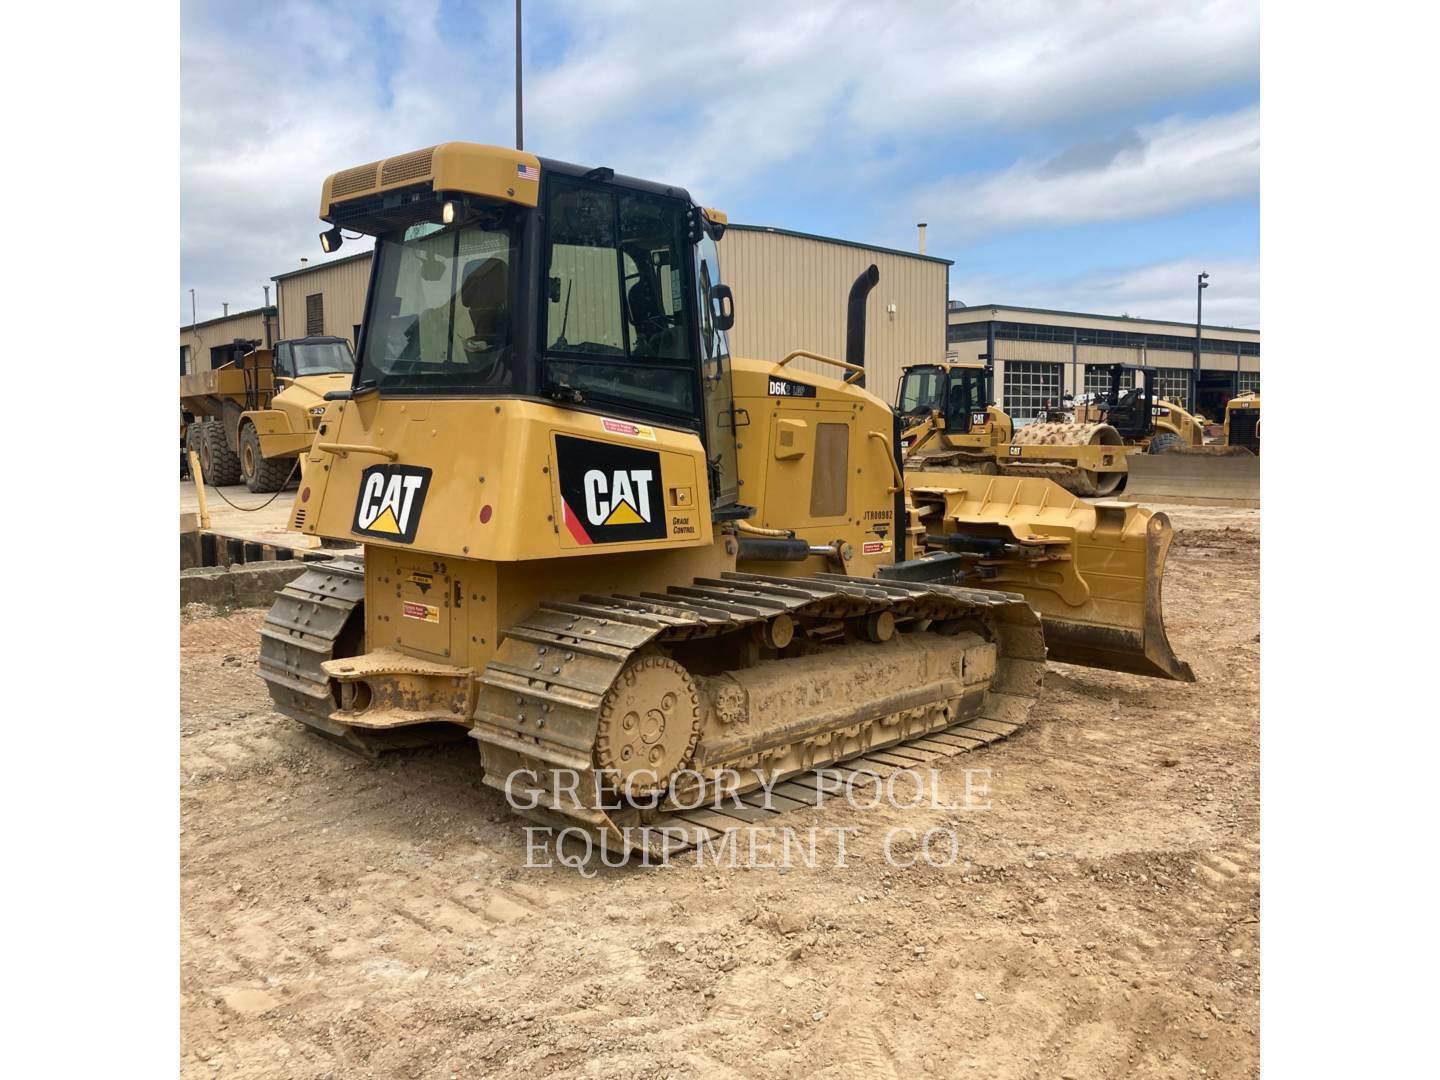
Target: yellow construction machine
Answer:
[[1242, 421], [1182, 467], [251, 418], [636, 572], [953, 424]]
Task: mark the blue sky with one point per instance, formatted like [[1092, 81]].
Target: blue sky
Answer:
[[1085, 155]]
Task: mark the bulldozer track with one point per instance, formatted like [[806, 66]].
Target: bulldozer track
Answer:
[[546, 699], [543, 697]]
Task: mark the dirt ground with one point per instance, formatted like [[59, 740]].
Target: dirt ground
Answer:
[[347, 919]]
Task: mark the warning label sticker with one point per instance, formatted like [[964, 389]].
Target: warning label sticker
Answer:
[[423, 612], [875, 547], [624, 427]]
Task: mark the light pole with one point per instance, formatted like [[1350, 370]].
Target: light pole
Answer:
[[519, 100], [1201, 284]]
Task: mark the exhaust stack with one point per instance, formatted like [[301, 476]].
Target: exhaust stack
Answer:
[[855, 318]]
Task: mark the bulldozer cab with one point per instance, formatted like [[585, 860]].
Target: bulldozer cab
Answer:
[[578, 287], [959, 394]]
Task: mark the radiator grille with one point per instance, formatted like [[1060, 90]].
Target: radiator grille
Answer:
[[406, 167], [360, 178]]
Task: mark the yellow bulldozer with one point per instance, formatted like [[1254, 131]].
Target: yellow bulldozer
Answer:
[[648, 580], [1242, 421], [251, 418], [953, 424]]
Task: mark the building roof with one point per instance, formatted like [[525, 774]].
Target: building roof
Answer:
[[842, 243], [977, 308], [326, 265], [251, 314]]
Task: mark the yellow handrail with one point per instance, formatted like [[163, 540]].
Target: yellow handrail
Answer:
[[890, 457], [343, 448], [857, 372]]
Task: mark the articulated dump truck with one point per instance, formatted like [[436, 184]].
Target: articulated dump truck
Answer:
[[638, 572], [250, 419]]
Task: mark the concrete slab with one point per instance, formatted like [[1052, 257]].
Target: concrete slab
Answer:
[[265, 525]]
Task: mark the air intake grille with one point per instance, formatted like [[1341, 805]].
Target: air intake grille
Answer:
[[299, 519], [360, 178], [407, 167]]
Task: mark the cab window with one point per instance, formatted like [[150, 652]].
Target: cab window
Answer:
[[617, 325]]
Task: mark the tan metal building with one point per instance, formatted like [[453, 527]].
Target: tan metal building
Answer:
[[206, 345], [791, 290], [1041, 355], [328, 298]]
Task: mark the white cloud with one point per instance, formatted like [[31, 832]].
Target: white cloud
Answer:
[[1141, 173], [1163, 290], [735, 108]]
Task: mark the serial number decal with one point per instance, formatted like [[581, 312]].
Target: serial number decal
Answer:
[[786, 388], [423, 612], [878, 515]]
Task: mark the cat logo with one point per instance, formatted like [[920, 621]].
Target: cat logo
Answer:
[[622, 500], [609, 493], [391, 498]]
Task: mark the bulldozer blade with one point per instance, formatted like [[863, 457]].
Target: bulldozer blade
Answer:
[[1093, 571], [1205, 479]]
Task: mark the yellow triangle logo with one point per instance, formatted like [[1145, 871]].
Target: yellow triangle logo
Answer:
[[624, 514], [386, 523]]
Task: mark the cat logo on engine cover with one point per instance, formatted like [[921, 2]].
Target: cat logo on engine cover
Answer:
[[609, 494], [391, 498]]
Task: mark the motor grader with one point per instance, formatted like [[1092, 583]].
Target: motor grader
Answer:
[[603, 549], [251, 418], [953, 424]]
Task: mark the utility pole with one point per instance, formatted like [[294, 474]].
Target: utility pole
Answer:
[[192, 307], [1201, 284], [519, 96]]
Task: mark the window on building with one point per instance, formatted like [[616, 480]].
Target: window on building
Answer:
[[1173, 383], [314, 314], [1097, 380], [974, 331], [1028, 387], [1247, 381], [184, 359]]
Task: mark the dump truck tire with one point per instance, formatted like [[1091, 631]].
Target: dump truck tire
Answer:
[[220, 464], [1166, 440], [261, 474]]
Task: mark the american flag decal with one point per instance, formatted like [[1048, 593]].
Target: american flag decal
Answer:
[[527, 172]]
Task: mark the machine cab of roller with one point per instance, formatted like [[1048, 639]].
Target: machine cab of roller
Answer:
[[1129, 405]]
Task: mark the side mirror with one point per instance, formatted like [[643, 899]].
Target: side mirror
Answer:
[[722, 307]]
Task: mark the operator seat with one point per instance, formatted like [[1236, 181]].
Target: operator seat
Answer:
[[484, 292]]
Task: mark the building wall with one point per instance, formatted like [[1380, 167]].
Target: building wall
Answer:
[[791, 290], [1073, 357], [340, 283], [206, 336]]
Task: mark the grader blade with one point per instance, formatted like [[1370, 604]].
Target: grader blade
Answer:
[[1093, 571]]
